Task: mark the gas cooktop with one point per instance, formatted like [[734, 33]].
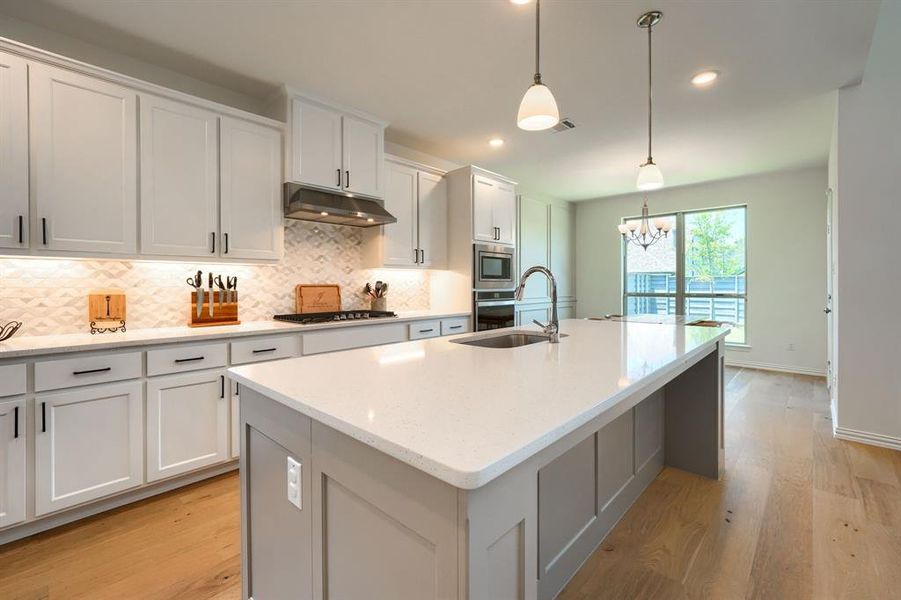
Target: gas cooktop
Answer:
[[341, 315]]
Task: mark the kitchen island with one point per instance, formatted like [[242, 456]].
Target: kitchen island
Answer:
[[435, 469]]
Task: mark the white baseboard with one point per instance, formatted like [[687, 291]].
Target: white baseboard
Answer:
[[750, 364], [864, 437]]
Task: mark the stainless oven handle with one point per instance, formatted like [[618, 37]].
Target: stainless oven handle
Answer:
[[495, 303]]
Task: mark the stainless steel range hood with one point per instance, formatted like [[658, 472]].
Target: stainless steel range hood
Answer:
[[307, 204]]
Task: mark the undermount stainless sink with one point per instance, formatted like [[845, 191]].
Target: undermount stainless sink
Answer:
[[506, 340]]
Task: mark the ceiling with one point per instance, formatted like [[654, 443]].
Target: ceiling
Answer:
[[449, 74]]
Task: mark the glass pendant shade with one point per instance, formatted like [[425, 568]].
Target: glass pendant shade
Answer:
[[649, 177], [538, 109]]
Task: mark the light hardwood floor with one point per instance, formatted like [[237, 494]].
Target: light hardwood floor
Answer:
[[798, 515]]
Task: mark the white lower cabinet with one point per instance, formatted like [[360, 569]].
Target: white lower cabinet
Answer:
[[187, 423], [89, 443], [12, 461], [235, 410]]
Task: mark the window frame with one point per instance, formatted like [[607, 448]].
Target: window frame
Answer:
[[680, 296]]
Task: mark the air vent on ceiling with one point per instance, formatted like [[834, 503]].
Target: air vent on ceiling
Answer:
[[564, 125]]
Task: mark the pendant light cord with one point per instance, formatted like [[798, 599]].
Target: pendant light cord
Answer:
[[537, 40], [650, 104]]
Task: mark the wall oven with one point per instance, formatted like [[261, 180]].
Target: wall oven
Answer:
[[494, 267], [494, 310]]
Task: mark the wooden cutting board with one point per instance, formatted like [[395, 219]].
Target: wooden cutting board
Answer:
[[317, 298]]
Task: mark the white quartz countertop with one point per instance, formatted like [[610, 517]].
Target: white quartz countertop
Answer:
[[467, 414], [73, 342]]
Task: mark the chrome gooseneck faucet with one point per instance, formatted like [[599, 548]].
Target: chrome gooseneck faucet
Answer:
[[552, 329]]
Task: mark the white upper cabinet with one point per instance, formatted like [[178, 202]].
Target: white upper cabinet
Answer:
[[563, 250], [251, 205], [316, 145], [13, 152], [493, 210], [399, 239], [364, 144], [12, 462], [179, 178], [432, 220], [483, 190], [418, 200], [83, 162], [334, 150]]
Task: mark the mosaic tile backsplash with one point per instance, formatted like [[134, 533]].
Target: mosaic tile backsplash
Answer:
[[50, 295]]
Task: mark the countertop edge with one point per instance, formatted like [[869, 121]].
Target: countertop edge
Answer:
[[471, 480], [174, 335]]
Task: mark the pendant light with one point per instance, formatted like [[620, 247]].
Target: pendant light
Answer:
[[649, 175], [538, 109]]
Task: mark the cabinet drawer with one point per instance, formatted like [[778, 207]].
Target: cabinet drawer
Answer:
[[265, 348], [12, 380], [186, 358], [454, 326], [84, 370], [345, 338], [425, 329]]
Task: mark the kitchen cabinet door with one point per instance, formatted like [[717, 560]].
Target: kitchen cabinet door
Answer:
[[89, 444], [251, 200], [563, 250], [179, 178], [187, 423], [12, 461], [533, 245], [503, 212], [364, 157], [399, 239], [483, 191], [235, 417], [13, 152], [315, 145], [432, 220], [83, 162]]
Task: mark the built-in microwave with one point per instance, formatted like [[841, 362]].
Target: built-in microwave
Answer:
[[494, 267]]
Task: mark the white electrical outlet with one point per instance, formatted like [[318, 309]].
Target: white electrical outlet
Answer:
[[295, 483]]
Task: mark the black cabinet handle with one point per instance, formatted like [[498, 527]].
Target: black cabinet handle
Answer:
[[416, 255], [43, 417], [455, 327], [222, 386], [213, 242], [226, 243], [264, 350], [16, 423], [89, 371], [347, 179], [339, 177], [422, 256], [184, 360], [426, 330], [44, 230], [237, 389], [21, 229]]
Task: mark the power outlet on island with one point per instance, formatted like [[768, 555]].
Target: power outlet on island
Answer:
[[295, 476]]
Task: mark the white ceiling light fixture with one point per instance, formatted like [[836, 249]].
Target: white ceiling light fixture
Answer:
[[520, 1], [496, 142], [704, 78], [649, 175], [538, 109]]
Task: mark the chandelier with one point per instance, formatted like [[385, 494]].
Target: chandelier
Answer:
[[643, 233]]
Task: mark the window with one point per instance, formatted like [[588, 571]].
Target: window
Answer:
[[698, 271]]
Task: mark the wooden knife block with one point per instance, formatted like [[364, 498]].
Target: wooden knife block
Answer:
[[224, 314]]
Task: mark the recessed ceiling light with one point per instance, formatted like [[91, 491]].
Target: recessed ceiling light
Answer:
[[520, 1], [324, 214], [496, 142], [704, 78]]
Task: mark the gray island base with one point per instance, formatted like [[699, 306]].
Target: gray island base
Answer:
[[367, 526]]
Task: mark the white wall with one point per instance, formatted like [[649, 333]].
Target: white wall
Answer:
[[868, 162], [52, 41], [786, 259]]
